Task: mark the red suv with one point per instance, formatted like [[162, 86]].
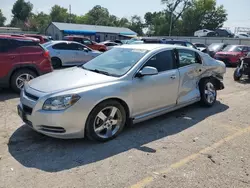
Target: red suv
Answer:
[[231, 54], [21, 59], [87, 42]]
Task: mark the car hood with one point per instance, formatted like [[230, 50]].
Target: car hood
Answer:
[[67, 79]]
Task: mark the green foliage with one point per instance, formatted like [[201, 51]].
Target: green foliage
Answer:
[[59, 14], [21, 10], [2, 19], [184, 17]]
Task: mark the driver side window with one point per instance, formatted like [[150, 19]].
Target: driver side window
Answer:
[[162, 61], [86, 42]]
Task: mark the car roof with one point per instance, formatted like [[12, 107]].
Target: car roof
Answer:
[[17, 37]]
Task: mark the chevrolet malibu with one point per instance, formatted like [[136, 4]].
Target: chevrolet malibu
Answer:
[[128, 84]]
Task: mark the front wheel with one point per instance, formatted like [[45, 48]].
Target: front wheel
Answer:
[[237, 74], [106, 121], [208, 93]]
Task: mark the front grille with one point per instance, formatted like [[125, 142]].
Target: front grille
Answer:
[[52, 129], [27, 110], [32, 97]]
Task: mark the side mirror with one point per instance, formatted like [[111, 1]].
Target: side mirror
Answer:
[[204, 51], [86, 49], [147, 71]]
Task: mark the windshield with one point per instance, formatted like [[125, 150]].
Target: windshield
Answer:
[[233, 48], [215, 47], [116, 61]]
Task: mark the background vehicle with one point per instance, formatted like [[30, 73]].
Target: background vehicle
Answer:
[[87, 42], [65, 53], [127, 83], [243, 68], [215, 47], [202, 33], [168, 41], [224, 33], [242, 35], [43, 39], [21, 59], [109, 44], [231, 54], [201, 47]]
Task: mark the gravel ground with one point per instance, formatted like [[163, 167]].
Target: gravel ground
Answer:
[[192, 147]]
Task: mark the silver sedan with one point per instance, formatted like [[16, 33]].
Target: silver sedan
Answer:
[[128, 84], [66, 53]]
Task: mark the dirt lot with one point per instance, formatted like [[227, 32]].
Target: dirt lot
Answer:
[[192, 147]]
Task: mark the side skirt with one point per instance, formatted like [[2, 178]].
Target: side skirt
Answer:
[[162, 111]]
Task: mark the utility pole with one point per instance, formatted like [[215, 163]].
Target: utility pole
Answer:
[[69, 13], [171, 23]]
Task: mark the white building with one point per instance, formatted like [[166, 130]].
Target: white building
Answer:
[[94, 32]]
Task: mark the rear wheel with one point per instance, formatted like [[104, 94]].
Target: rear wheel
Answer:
[[56, 62], [237, 74], [208, 93], [106, 121], [20, 77]]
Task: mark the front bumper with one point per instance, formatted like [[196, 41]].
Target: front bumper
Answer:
[[67, 124]]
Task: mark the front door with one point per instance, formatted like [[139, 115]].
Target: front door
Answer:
[[190, 69], [157, 91]]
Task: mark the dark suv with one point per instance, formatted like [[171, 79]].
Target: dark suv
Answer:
[[21, 59]]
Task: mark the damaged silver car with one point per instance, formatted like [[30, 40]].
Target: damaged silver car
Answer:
[[128, 84]]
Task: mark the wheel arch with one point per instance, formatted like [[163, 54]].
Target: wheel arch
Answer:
[[21, 67], [216, 81]]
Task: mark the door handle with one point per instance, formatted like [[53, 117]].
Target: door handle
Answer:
[[173, 77]]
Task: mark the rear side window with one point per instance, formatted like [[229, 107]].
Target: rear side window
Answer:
[[162, 61], [188, 57], [5, 45], [73, 46], [25, 43], [60, 46], [190, 45]]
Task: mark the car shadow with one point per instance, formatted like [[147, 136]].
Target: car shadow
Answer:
[[34, 150], [7, 94]]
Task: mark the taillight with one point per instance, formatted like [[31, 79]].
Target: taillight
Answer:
[[46, 54]]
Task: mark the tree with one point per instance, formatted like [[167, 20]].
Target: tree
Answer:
[[98, 15], [21, 10], [203, 14], [174, 10], [2, 19], [136, 25], [40, 21], [59, 14]]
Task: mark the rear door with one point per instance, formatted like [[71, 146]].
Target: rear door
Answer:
[[81, 56], [156, 91], [9, 56], [190, 70], [64, 53]]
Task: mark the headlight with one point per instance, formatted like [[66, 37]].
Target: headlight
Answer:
[[60, 102]]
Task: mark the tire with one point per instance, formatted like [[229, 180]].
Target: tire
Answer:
[[20, 75], [56, 63], [208, 92], [94, 124], [237, 74]]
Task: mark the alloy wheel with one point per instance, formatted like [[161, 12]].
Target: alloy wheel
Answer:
[[108, 122], [22, 79], [210, 92]]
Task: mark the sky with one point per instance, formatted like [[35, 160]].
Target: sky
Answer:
[[238, 11]]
